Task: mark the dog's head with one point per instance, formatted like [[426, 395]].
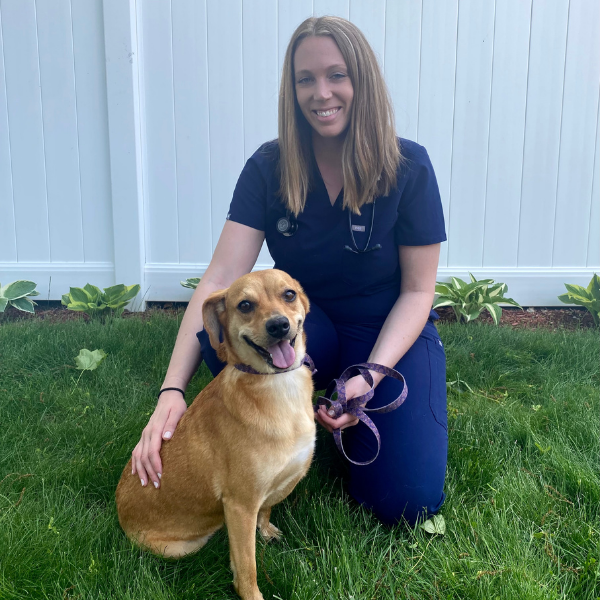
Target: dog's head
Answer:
[[261, 317]]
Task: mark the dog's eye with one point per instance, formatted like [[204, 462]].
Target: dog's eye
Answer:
[[245, 306], [289, 295]]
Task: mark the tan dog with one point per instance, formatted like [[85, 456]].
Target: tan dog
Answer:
[[246, 440]]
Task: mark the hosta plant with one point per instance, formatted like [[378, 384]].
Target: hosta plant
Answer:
[[191, 282], [17, 294], [96, 303], [468, 300], [588, 297]]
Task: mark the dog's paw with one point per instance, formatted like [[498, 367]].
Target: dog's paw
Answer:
[[269, 532]]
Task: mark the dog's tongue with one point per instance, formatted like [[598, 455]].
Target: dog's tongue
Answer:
[[282, 354]]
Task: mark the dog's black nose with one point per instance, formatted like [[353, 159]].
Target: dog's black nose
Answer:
[[278, 327]]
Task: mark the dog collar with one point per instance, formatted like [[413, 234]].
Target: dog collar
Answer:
[[307, 360]]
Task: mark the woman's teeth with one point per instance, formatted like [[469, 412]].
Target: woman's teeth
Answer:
[[326, 113]]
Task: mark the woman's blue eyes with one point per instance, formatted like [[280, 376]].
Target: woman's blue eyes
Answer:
[[335, 77]]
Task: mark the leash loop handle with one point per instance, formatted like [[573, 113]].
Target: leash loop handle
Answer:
[[357, 406]]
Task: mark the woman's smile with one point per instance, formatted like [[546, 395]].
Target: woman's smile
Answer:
[[327, 114]]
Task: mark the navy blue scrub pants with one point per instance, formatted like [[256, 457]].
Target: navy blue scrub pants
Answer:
[[406, 480]]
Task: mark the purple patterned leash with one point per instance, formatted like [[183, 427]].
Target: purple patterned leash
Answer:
[[307, 360], [356, 406]]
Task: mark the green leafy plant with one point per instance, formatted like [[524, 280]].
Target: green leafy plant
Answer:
[[17, 294], [191, 282], [436, 525], [468, 300], [588, 297], [96, 303], [88, 360]]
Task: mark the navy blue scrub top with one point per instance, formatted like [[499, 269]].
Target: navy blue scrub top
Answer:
[[349, 287]]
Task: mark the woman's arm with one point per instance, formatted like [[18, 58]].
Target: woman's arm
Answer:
[[234, 256], [403, 325]]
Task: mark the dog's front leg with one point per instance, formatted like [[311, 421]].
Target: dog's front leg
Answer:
[[241, 527]]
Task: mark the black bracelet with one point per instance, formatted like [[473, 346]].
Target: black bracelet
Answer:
[[167, 389]]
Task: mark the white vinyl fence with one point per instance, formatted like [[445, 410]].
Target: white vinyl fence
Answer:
[[124, 125]]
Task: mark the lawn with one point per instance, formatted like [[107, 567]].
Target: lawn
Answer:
[[523, 486]]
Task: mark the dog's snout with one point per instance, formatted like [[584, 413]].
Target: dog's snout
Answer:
[[278, 327]]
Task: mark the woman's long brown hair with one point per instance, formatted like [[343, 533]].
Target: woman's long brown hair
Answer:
[[370, 155]]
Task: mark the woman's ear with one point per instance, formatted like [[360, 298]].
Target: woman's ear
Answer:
[[212, 309]]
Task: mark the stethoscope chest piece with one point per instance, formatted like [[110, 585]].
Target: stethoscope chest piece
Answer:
[[287, 225]]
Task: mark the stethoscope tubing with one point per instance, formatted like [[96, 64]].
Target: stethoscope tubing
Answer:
[[287, 226], [366, 248]]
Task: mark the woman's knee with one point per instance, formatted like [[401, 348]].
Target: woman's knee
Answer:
[[412, 507]]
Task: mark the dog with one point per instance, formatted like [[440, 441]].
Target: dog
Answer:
[[246, 440]]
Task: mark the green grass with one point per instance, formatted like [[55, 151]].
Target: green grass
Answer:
[[523, 484]]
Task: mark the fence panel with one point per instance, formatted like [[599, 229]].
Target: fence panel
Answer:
[[25, 131], [192, 134], [472, 97], [542, 132], [507, 131], [577, 135]]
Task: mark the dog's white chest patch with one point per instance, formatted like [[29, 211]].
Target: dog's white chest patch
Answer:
[[302, 450]]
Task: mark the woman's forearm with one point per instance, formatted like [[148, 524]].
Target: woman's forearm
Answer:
[[409, 314], [186, 355], [401, 328]]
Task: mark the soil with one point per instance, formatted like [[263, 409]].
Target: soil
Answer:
[[528, 318]]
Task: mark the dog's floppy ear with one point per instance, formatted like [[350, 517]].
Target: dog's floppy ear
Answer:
[[304, 301], [213, 307]]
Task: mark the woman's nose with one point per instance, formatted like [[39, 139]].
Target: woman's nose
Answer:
[[322, 91]]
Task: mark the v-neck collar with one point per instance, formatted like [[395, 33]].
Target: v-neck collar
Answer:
[[319, 178]]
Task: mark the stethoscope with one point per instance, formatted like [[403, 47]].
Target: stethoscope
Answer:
[[288, 226]]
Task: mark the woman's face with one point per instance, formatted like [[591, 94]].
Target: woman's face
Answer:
[[323, 87]]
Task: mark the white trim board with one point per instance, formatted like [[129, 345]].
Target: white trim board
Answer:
[[162, 280], [530, 286]]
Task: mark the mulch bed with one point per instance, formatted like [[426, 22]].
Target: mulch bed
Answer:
[[529, 318], [532, 318]]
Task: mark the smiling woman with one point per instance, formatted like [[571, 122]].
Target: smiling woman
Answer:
[[334, 104], [369, 274]]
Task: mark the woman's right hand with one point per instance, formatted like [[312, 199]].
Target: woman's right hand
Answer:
[[145, 458]]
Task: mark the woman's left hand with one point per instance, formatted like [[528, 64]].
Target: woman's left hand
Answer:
[[355, 386]]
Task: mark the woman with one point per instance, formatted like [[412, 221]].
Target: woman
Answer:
[[366, 222]]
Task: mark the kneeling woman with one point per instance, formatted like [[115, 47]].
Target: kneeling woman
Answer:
[[354, 214]]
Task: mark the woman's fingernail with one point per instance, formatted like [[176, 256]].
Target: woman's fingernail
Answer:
[[167, 435], [143, 482], [156, 484], [331, 413], [159, 475], [132, 471]]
